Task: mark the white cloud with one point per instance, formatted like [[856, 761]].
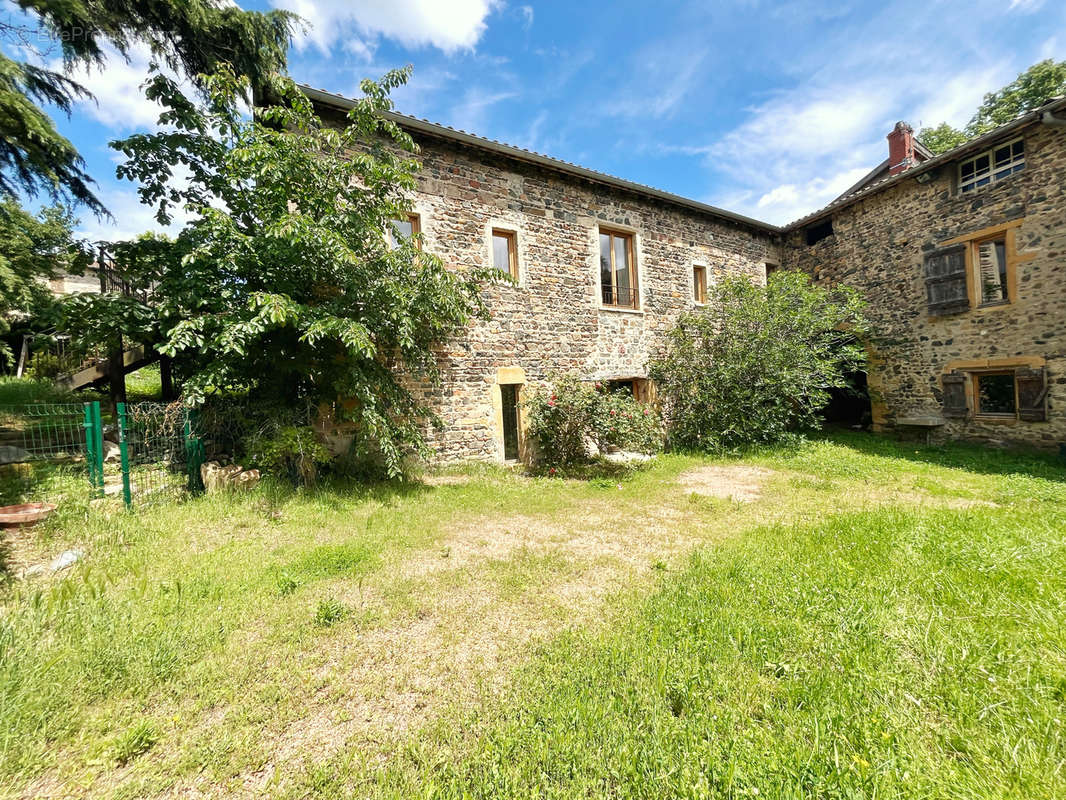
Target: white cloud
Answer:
[[118, 100], [666, 72], [1025, 6], [469, 114], [791, 201], [448, 25], [527, 16]]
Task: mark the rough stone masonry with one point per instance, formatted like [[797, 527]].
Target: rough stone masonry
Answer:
[[880, 239]]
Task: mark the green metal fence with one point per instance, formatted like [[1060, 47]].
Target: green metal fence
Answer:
[[143, 453], [42, 451]]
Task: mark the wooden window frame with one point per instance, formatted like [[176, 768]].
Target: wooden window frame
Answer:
[[1014, 165], [416, 228], [974, 276], [1007, 231], [512, 249], [631, 250], [1027, 369], [699, 284], [975, 395]]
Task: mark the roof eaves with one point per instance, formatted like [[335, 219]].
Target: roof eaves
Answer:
[[531, 157], [1029, 118]]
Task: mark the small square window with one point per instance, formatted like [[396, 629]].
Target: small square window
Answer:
[[995, 394], [699, 284], [505, 252], [403, 230]]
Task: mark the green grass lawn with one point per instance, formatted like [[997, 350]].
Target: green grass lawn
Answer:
[[884, 620]]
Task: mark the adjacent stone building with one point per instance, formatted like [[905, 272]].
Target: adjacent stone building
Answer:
[[962, 258], [604, 265]]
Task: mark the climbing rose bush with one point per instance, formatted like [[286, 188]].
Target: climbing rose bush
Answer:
[[570, 414]]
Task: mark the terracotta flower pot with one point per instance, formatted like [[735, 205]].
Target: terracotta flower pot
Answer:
[[25, 514]]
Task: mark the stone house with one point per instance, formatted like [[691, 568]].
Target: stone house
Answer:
[[603, 266], [962, 259]]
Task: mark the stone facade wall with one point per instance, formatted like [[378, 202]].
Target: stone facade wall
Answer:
[[878, 247], [552, 322]]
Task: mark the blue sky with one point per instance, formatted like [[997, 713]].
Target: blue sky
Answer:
[[765, 108]]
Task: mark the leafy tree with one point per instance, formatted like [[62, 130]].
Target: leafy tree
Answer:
[[757, 362], [192, 37], [33, 249], [1030, 90], [941, 138], [292, 282]]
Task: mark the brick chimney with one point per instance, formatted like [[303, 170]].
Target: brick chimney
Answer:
[[901, 148]]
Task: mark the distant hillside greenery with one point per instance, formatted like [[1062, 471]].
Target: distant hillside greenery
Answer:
[[1031, 89]]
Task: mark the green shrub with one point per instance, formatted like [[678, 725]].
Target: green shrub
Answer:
[[292, 450], [565, 418], [620, 421], [756, 363]]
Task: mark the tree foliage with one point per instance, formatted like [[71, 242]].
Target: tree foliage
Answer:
[[1030, 90], [192, 37], [286, 283], [33, 249], [941, 138], [756, 363]]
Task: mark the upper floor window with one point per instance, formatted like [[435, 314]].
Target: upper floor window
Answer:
[[618, 275], [990, 266], [991, 166], [403, 230], [699, 284], [976, 270], [505, 252]]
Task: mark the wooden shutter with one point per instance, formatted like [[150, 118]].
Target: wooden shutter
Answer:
[[945, 281], [955, 403], [1032, 394]]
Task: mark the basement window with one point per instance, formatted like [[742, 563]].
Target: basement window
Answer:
[[637, 388], [992, 166], [823, 230]]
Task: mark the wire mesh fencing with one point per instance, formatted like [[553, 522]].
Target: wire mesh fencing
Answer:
[[43, 451], [160, 452], [144, 453]]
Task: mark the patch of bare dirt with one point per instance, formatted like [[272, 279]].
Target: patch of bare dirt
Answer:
[[728, 482], [445, 480]]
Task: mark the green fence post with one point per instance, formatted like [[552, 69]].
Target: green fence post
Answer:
[[194, 450], [98, 436], [123, 449], [90, 448], [94, 447]]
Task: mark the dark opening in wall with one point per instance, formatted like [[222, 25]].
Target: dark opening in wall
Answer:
[[819, 231], [850, 406]]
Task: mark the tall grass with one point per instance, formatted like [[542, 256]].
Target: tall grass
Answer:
[[880, 654]]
